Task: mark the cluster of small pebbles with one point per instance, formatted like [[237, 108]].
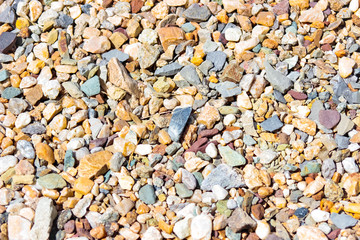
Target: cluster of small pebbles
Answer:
[[179, 119]]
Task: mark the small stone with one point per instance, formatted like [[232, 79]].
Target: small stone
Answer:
[[346, 66], [170, 36], [7, 162], [97, 44], [217, 58], [201, 227], [26, 149], [188, 179], [265, 18], [10, 92], [44, 151], [152, 234], [258, 211], [83, 185], [309, 167], [148, 55], [91, 87], [183, 191], [263, 229], [7, 42], [272, 124], [319, 215], [41, 51], [208, 116], [81, 206], [168, 70], [231, 157], [147, 194], [345, 125], [18, 227], [190, 75], [329, 118], [233, 34], [94, 164], [240, 220], [182, 228], [219, 192], [309, 232], [197, 13], [276, 79], [350, 165], [51, 89], [224, 176], [343, 220], [45, 214], [305, 125], [178, 122], [52, 181]]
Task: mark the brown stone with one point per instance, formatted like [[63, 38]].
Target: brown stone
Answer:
[[171, 36], [44, 151], [232, 72], [120, 78], [34, 94], [265, 18], [258, 211], [94, 164], [98, 232], [136, 5]]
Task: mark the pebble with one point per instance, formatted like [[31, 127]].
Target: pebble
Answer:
[[147, 194], [329, 118]]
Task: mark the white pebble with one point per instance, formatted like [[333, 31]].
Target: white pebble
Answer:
[[211, 150], [262, 229], [219, 192], [229, 119], [319, 215]]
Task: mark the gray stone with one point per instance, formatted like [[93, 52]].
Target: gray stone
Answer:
[[26, 149], [64, 216], [218, 59], [190, 75], [69, 160], [342, 141], [168, 70], [240, 220], [272, 124], [10, 92], [34, 128], [183, 191], [343, 220], [328, 168], [197, 13], [345, 125], [64, 20], [115, 53], [91, 87], [73, 89], [276, 79], [4, 58], [116, 161], [17, 105], [45, 214], [4, 74], [172, 148], [231, 157], [147, 194], [316, 107], [188, 179], [8, 15], [205, 66], [228, 89], [224, 176], [295, 195], [178, 122]]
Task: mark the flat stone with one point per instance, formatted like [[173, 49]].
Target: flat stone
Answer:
[[276, 79], [7, 162], [345, 125], [97, 44], [52, 181], [114, 53], [73, 89], [34, 128], [329, 118], [218, 59], [147, 194], [298, 95], [228, 89], [148, 55], [190, 75], [240, 220], [272, 124], [91, 87], [183, 191], [7, 42], [178, 122], [231, 157], [94, 164], [308, 167], [45, 214], [343, 220], [10, 92], [224, 176], [197, 13], [168, 70], [4, 75]]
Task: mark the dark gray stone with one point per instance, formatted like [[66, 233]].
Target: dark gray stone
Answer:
[[7, 42], [218, 59], [279, 97], [169, 70], [197, 13], [272, 124], [64, 20], [276, 79], [178, 122], [224, 176], [343, 220], [115, 53], [190, 75]]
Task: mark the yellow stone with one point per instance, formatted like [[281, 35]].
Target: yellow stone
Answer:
[[66, 69], [35, 66], [165, 227], [213, 79], [196, 60], [22, 23], [83, 185], [70, 203], [162, 197], [58, 123], [124, 146], [352, 207], [94, 164]]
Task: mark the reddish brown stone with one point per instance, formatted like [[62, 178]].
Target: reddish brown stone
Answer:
[[208, 133], [136, 5], [298, 95], [282, 7], [258, 211], [195, 147], [69, 227], [160, 149]]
